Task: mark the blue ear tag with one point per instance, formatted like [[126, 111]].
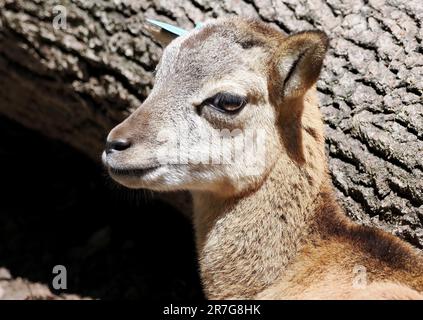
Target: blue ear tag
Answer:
[[172, 29]]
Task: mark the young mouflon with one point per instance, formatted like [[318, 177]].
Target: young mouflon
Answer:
[[274, 229]]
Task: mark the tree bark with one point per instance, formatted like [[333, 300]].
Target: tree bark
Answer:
[[74, 84]]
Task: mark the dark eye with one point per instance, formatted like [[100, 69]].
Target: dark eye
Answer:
[[226, 102]]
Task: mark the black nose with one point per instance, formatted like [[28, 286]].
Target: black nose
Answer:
[[117, 145]]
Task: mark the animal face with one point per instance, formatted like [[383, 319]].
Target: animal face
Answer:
[[213, 119]]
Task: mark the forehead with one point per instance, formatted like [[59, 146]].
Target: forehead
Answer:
[[214, 51]]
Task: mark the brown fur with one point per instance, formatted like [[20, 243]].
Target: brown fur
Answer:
[[324, 266], [279, 234]]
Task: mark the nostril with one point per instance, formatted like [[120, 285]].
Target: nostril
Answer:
[[117, 145]]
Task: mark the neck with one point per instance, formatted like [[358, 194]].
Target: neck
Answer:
[[245, 244]]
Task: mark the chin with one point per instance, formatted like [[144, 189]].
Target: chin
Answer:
[[127, 181], [156, 179]]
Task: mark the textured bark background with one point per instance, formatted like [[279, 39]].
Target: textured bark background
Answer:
[[75, 83]]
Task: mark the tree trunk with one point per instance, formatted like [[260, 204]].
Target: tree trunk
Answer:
[[74, 84]]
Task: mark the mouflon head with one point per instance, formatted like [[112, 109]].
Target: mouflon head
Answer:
[[227, 102]]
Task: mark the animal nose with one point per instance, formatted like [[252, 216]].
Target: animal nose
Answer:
[[117, 145]]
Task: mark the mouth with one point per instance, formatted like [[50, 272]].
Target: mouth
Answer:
[[138, 172]]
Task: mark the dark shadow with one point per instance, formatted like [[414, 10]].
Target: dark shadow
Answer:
[[57, 207]]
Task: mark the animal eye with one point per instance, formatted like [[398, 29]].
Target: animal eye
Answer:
[[226, 102]]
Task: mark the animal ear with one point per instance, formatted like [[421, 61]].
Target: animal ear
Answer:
[[163, 32], [299, 61], [162, 36]]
